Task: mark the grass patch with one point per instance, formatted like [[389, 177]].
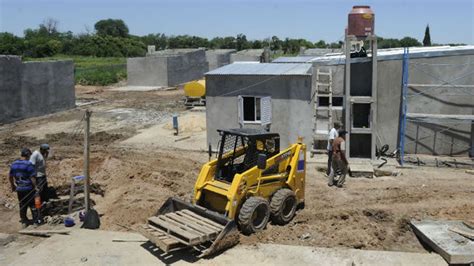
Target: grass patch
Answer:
[[93, 70]]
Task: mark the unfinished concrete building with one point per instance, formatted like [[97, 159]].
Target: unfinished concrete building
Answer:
[[252, 55], [29, 89], [218, 57], [167, 68], [432, 65], [259, 94]]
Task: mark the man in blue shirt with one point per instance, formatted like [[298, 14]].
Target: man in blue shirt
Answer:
[[22, 173]]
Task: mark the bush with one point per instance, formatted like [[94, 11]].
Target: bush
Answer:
[[104, 75], [107, 46], [11, 44]]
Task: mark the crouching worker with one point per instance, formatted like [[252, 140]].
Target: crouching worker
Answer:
[[339, 160], [22, 180]]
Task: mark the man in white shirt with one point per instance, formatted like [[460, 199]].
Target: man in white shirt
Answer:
[[331, 137], [38, 159]]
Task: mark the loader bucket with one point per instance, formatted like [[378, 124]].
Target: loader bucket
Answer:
[[179, 224]]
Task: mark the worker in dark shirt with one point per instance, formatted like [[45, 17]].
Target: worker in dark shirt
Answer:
[[22, 173], [340, 164]]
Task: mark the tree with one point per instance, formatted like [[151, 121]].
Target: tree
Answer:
[[321, 44], [50, 25], [111, 27], [409, 42], [427, 38], [275, 44], [11, 44], [241, 42]]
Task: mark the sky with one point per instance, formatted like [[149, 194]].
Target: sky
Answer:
[[450, 21]]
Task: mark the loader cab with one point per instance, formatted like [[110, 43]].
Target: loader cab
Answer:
[[239, 150]]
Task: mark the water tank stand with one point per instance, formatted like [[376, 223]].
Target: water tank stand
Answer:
[[360, 133]]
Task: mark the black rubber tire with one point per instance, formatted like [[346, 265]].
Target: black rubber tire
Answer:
[[254, 215], [283, 206]]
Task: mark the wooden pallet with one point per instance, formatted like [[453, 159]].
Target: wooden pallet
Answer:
[[160, 238], [180, 229]]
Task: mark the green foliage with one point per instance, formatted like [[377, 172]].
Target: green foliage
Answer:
[[107, 46], [320, 44], [292, 46], [104, 75], [427, 38], [11, 44], [158, 40], [111, 27], [241, 42], [186, 41], [93, 70], [388, 43], [409, 42], [112, 40]]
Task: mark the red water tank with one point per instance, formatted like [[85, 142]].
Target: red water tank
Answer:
[[361, 21]]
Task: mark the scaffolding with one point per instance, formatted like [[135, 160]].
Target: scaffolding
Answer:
[[441, 123]]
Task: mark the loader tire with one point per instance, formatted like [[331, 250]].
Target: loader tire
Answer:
[[283, 206], [254, 215]]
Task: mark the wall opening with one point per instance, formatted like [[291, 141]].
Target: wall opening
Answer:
[[251, 109], [361, 115], [361, 79], [336, 101], [360, 145]]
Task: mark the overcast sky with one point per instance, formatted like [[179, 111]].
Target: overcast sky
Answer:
[[450, 21]]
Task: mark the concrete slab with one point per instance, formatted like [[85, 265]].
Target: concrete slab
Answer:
[[273, 254], [361, 168], [138, 88], [95, 247], [454, 248], [88, 247]]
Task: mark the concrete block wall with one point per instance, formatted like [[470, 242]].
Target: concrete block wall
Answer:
[[218, 57], [10, 88], [167, 68], [34, 88], [246, 55], [187, 67], [147, 71]]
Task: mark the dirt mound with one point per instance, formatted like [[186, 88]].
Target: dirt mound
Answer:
[[13, 144], [98, 138]]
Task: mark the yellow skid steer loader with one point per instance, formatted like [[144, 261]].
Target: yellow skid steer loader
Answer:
[[250, 183]]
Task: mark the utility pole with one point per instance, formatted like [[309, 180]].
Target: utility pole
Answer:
[[86, 158]]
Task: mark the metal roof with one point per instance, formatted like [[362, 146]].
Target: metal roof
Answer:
[[294, 59], [383, 54], [264, 69]]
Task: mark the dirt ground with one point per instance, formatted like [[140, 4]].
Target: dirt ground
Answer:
[[137, 177]]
